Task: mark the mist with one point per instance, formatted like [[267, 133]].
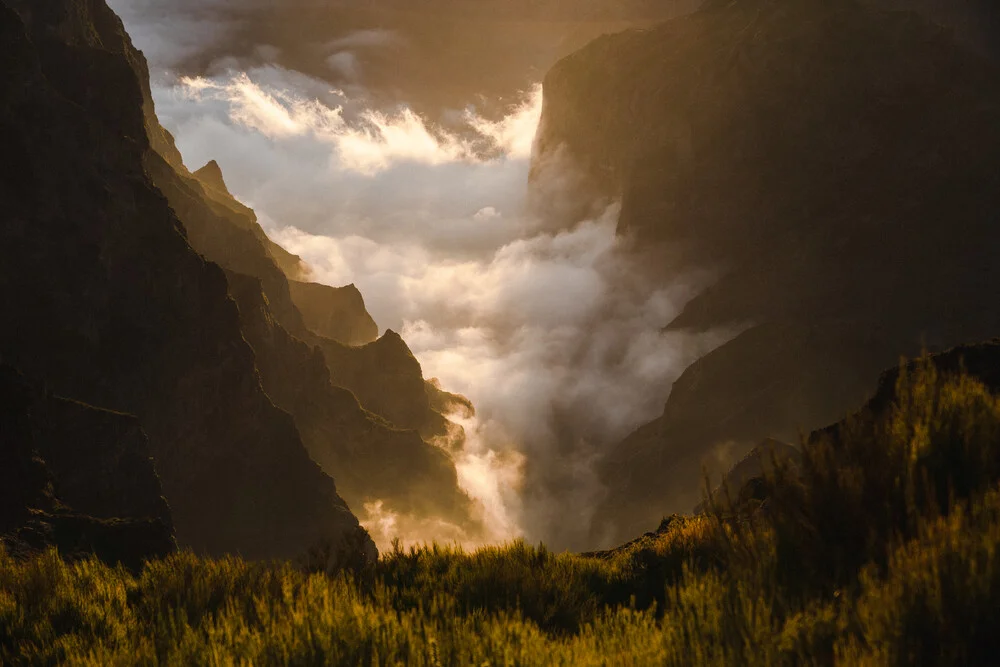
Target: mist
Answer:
[[541, 318]]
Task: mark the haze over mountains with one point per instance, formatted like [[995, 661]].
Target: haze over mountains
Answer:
[[744, 200]]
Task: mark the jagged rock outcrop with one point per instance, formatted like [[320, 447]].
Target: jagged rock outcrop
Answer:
[[371, 459], [387, 379], [108, 303], [215, 189], [383, 374], [839, 165], [338, 313], [77, 478], [447, 403]]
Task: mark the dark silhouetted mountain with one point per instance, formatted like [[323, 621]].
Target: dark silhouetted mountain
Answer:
[[371, 458], [839, 165], [77, 478], [109, 304]]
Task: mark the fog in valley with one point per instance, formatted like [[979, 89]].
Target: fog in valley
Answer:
[[503, 290]]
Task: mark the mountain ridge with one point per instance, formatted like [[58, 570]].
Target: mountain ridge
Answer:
[[820, 157]]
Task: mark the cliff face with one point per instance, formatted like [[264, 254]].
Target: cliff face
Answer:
[[109, 304], [337, 313], [381, 372], [77, 478], [388, 380], [371, 459], [286, 321], [839, 165]]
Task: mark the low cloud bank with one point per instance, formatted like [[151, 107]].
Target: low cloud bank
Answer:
[[545, 323]]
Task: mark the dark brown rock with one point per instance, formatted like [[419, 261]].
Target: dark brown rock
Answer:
[[77, 478], [110, 305], [838, 164]]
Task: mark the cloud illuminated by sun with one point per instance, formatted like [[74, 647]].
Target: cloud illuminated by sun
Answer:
[[375, 140]]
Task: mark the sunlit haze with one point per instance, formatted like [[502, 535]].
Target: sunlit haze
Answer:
[[532, 317]]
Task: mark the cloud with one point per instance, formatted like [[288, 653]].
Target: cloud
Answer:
[[535, 312], [169, 33], [556, 339], [362, 39], [372, 141]]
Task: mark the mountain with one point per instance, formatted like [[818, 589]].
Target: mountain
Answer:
[[337, 313], [109, 305], [78, 478], [838, 165], [371, 459], [284, 320]]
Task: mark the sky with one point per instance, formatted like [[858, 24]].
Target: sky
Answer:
[[541, 318]]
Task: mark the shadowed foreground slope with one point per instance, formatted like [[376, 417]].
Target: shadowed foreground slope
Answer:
[[882, 547]]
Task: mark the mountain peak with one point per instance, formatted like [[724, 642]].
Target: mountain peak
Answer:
[[211, 175]]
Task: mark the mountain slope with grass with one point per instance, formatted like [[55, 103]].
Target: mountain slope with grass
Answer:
[[881, 547]]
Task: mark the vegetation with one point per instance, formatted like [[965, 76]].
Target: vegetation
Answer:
[[881, 547]]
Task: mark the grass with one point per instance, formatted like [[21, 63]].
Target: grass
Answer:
[[882, 547]]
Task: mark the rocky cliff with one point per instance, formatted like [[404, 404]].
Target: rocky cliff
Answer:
[[381, 372], [337, 313], [284, 320], [77, 478], [371, 459], [837, 164], [109, 304]]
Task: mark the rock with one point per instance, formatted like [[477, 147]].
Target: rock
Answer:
[[370, 458], [211, 175], [110, 305], [77, 478], [838, 165], [338, 313]]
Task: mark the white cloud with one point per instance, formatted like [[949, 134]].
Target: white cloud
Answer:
[[536, 314]]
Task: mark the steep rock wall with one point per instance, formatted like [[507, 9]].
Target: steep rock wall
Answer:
[[838, 165], [109, 304]]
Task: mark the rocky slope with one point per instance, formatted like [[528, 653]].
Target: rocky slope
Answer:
[[381, 372], [371, 459], [77, 478], [368, 454], [109, 304], [337, 313], [839, 165]]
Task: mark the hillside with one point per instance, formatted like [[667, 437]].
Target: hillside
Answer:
[[113, 308], [847, 558], [838, 165]]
